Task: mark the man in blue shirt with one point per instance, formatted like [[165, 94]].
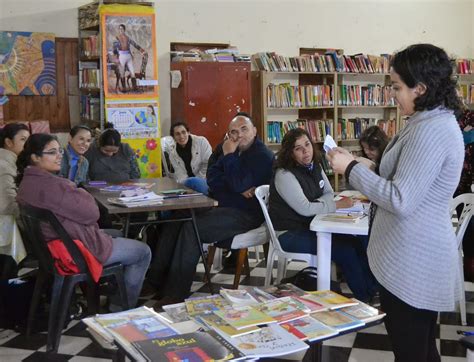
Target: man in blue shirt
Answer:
[[237, 166]]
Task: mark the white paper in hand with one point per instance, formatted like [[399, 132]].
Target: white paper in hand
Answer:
[[329, 143]]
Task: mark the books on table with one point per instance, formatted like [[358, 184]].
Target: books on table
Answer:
[[348, 218], [284, 290], [176, 312], [308, 328], [337, 320], [212, 320], [238, 296], [204, 305], [197, 346], [330, 299], [363, 312], [243, 316], [147, 199], [282, 309]]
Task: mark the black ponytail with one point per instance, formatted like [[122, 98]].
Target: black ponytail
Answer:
[[34, 145]]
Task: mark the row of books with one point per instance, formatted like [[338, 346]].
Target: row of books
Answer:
[[238, 324], [464, 66], [389, 126], [369, 95], [352, 128], [90, 46], [90, 107], [89, 78], [317, 129], [285, 95], [209, 55], [467, 93], [331, 61]]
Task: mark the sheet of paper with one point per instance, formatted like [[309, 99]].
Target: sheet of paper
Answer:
[[175, 78], [329, 143]]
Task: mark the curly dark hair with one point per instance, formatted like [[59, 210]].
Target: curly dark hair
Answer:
[[431, 66], [284, 157], [34, 145], [376, 139]]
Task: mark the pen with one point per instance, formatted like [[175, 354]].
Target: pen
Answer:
[[466, 333]]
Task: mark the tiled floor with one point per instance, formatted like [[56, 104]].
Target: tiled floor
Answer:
[[365, 346]]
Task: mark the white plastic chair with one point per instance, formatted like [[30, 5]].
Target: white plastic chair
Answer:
[[463, 220], [275, 250]]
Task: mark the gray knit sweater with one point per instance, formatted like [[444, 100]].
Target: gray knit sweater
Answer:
[[412, 250]]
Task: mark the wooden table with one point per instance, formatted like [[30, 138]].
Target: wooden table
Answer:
[[180, 203]]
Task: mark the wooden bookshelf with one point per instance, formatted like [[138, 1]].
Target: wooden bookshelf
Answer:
[[265, 115]]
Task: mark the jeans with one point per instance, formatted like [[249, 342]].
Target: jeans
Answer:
[[197, 184], [177, 254], [412, 331], [135, 257], [347, 251]]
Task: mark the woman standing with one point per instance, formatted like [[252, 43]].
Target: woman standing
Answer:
[[412, 250], [74, 166]]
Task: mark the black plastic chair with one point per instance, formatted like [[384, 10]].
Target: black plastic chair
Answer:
[[63, 287]]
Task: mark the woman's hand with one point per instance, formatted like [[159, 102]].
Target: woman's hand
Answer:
[[339, 159], [344, 203]]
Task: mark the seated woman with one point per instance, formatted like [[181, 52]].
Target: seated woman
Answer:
[[300, 190], [74, 165], [373, 142], [111, 160], [188, 156], [12, 138], [77, 211]]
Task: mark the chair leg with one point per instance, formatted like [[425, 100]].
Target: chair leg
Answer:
[[238, 268], [266, 248], [281, 269], [63, 309], [53, 311], [92, 293], [120, 279], [40, 279], [257, 253], [462, 299], [270, 257], [211, 250]]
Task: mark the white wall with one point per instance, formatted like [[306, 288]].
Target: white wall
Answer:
[[374, 26]]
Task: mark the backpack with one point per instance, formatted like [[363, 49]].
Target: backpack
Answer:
[[307, 279]]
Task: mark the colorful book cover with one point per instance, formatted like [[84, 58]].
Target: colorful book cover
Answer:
[[208, 304], [192, 347], [331, 299], [139, 329], [337, 320], [220, 325], [284, 290], [308, 304], [177, 312], [238, 296], [282, 309], [308, 328], [244, 317], [363, 312], [269, 341]]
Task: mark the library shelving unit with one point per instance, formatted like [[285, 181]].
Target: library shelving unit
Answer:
[[280, 102], [466, 86], [90, 66]]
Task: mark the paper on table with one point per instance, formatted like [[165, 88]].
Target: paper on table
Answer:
[[329, 143]]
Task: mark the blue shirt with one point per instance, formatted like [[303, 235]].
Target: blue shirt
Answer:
[[73, 162]]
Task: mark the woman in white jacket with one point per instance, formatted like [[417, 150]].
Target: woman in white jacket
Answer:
[[187, 156]]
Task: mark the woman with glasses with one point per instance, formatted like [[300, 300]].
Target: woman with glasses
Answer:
[[74, 165], [111, 160], [77, 211]]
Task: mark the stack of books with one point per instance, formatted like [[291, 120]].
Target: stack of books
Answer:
[[238, 324]]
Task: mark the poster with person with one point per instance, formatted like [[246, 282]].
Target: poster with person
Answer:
[[130, 64]]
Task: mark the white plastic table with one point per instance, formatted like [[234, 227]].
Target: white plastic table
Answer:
[[324, 231]]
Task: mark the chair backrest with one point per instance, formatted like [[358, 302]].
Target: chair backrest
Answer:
[[467, 200], [263, 195], [34, 219]]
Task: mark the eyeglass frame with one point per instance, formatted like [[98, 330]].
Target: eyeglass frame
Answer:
[[53, 152]]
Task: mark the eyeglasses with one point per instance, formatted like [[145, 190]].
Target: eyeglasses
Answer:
[[53, 152]]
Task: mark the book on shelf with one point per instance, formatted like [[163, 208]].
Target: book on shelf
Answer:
[[90, 46], [241, 317], [203, 305], [363, 312], [212, 320], [285, 95], [282, 309], [270, 341], [337, 320], [309, 329], [365, 95], [317, 129], [197, 346], [464, 66]]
